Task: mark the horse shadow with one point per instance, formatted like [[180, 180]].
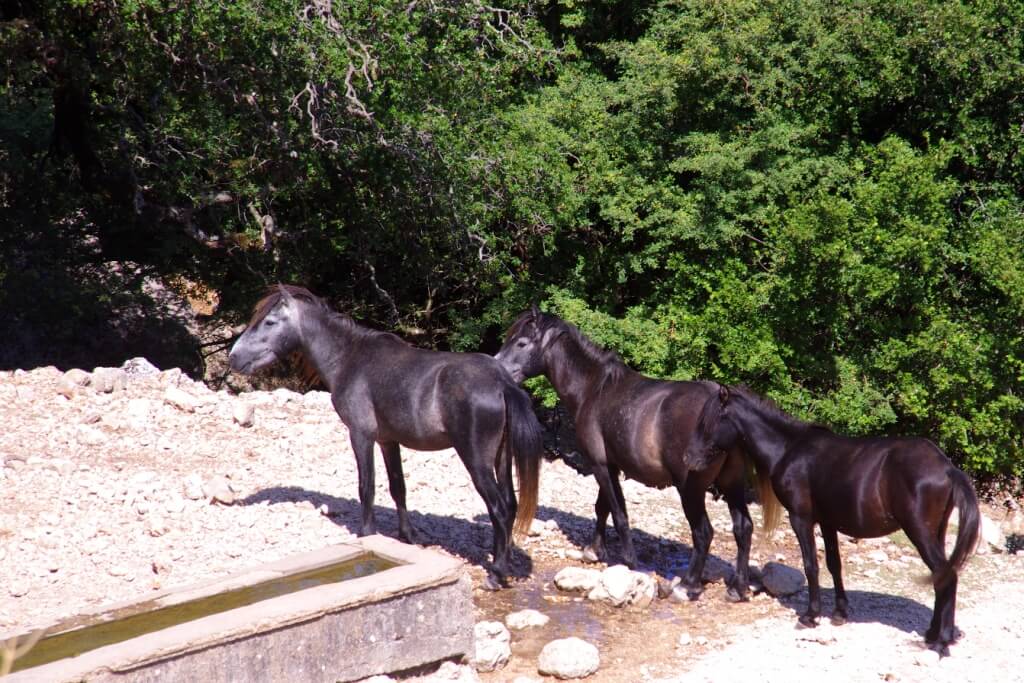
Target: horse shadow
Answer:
[[467, 539], [470, 539], [868, 607]]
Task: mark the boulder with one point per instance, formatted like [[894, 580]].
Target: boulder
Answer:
[[577, 579], [492, 649], [780, 580], [568, 658]]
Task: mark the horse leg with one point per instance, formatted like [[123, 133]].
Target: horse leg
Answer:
[[692, 497], [835, 567], [803, 527], [396, 482], [608, 481], [941, 631], [482, 475], [743, 532], [595, 552], [362, 447]]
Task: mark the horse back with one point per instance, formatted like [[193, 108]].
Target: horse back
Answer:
[[644, 426]]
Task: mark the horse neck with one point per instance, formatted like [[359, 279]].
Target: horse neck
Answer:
[[574, 373], [767, 433], [325, 343]]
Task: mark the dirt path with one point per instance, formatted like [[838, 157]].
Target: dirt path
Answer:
[[103, 500]]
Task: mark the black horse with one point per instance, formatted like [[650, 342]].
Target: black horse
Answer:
[[631, 424], [389, 392], [864, 487]]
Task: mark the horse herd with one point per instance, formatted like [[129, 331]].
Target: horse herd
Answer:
[[690, 435]]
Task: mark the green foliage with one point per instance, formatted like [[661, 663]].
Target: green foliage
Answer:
[[822, 200]]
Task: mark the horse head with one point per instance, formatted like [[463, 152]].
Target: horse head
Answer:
[[527, 341], [272, 333], [715, 430]]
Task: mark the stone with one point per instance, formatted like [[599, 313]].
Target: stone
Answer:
[[577, 579], [450, 671], [139, 366], [878, 556], [526, 618], [781, 580], [568, 658], [180, 399], [620, 586], [491, 649], [218, 489], [72, 382], [109, 380], [685, 639], [193, 487], [18, 588], [243, 413]]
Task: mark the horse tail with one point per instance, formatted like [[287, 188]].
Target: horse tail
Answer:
[[969, 530], [771, 508], [525, 442]]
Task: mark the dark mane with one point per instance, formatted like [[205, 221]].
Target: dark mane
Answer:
[[773, 409]]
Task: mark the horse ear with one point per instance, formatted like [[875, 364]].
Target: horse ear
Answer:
[[534, 312], [723, 394]]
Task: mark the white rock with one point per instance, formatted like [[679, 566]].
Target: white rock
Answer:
[[568, 658], [193, 487], [218, 489], [139, 366], [685, 639], [492, 649], [780, 580], [577, 579], [180, 399], [109, 380], [526, 618], [450, 671], [243, 413]]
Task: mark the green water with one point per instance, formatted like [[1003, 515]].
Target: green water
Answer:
[[147, 617]]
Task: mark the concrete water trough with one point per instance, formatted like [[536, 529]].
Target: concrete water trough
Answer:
[[341, 613]]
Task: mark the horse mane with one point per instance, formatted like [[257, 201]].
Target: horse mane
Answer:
[[610, 362], [335, 320], [772, 408]]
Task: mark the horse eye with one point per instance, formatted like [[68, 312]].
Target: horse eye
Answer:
[[269, 323], [521, 343]]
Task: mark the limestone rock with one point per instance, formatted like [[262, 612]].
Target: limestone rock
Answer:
[[577, 579], [243, 413], [109, 380], [526, 618], [492, 649], [182, 400], [568, 658]]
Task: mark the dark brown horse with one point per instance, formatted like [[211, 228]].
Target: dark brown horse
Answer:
[[631, 424], [864, 487], [391, 393]]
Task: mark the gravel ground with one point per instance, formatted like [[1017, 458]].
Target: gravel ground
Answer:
[[110, 496]]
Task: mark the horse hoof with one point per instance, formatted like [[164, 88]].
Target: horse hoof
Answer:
[[838, 619], [590, 555], [491, 583], [807, 622], [733, 595]]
